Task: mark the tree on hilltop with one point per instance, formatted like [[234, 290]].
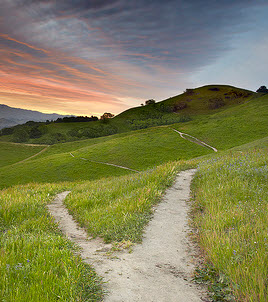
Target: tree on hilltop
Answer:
[[149, 102], [107, 115], [262, 89]]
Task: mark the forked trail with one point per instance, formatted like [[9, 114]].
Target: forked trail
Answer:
[[160, 268]]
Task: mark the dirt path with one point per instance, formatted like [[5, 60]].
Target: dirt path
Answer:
[[160, 268], [33, 145], [108, 164], [194, 140], [19, 162]]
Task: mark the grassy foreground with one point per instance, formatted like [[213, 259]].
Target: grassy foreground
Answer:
[[230, 193], [35, 256], [37, 263], [231, 205]]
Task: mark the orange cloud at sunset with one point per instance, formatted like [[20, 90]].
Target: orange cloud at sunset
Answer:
[[86, 57]]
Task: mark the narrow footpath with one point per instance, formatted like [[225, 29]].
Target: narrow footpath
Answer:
[[160, 269], [30, 157], [103, 163], [194, 140]]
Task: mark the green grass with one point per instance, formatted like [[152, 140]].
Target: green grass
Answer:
[[232, 127], [12, 153], [37, 263], [231, 203], [144, 149], [117, 209], [35, 256], [196, 104], [139, 150], [230, 191], [259, 143], [56, 168], [72, 146]]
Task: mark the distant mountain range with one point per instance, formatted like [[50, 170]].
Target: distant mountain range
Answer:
[[10, 116]]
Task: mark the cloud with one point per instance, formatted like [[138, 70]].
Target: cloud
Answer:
[[116, 49]]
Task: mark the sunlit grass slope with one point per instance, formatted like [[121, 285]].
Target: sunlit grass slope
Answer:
[[232, 127], [259, 143], [231, 194], [144, 149], [201, 101], [11, 153], [225, 129], [57, 168], [196, 101], [139, 150], [72, 146]]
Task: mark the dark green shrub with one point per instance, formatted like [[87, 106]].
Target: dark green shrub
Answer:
[[216, 103], [20, 135]]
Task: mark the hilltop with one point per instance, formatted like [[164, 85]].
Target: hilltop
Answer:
[[206, 100]]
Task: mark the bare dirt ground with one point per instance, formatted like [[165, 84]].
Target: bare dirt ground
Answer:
[[194, 140], [160, 269]]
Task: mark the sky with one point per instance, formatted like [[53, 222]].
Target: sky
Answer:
[[87, 57]]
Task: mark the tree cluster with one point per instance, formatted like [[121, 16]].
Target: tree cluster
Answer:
[[152, 122], [76, 119]]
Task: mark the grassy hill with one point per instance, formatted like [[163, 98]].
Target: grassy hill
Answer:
[[11, 153], [114, 203], [139, 150], [145, 148], [191, 104], [202, 100]]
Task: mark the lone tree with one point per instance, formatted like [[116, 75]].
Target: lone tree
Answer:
[[262, 89], [107, 115], [149, 102]]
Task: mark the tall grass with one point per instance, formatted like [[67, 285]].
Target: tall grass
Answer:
[[231, 198], [118, 208], [37, 263]]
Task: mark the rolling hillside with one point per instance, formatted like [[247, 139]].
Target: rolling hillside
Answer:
[[194, 103], [143, 149], [11, 153], [116, 180]]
